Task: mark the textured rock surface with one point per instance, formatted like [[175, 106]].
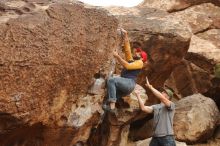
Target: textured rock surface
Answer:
[[201, 17], [212, 35], [196, 74], [187, 79], [214, 141], [48, 60], [195, 119], [141, 129], [165, 39], [175, 5], [203, 53], [114, 125], [204, 49], [50, 53]]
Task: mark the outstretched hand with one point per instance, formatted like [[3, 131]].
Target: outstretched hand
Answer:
[[137, 93], [148, 84]]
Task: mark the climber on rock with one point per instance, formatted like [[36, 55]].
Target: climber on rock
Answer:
[[163, 116], [125, 84]]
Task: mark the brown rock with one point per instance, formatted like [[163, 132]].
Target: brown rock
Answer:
[[175, 5], [195, 119], [141, 129], [212, 35], [187, 79], [166, 40], [132, 100], [203, 53], [111, 129], [215, 141], [48, 59], [197, 74], [200, 17]]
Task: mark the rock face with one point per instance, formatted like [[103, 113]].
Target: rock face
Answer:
[[166, 40], [205, 49], [187, 79], [195, 119], [212, 35], [52, 51], [200, 17], [48, 60], [114, 124], [204, 53], [175, 5], [197, 73]]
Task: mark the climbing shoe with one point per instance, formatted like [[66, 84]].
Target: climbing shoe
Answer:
[[108, 109]]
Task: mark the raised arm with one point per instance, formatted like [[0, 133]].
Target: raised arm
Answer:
[[159, 95], [147, 109], [127, 47]]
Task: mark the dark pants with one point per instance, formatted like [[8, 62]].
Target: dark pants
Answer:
[[163, 141], [118, 87]]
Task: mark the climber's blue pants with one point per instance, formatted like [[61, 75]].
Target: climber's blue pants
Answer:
[[119, 87]]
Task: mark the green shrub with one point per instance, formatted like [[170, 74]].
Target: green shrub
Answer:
[[217, 70]]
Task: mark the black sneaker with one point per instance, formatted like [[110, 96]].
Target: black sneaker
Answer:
[[108, 109]]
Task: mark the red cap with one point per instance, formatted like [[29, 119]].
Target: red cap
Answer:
[[143, 54]]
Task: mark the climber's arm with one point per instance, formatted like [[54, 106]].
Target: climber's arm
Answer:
[[137, 64], [127, 47]]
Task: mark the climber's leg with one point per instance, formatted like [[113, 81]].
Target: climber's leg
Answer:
[[114, 84]]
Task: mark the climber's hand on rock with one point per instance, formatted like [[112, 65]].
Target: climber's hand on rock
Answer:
[[115, 54], [124, 32]]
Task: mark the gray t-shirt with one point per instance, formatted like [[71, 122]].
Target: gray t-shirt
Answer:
[[163, 119]]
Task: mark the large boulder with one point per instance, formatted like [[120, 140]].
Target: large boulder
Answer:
[[199, 72], [204, 52], [212, 35], [175, 5], [200, 17], [195, 119], [50, 54], [188, 79], [215, 141], [165, 39]]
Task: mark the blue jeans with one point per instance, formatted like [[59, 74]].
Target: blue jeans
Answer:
[[119, 87], [163, 141]]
